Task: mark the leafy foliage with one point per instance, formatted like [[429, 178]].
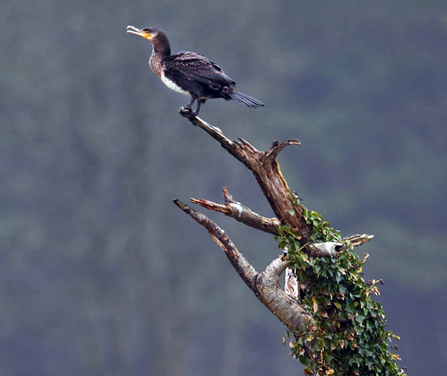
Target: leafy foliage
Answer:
[[349, 336]]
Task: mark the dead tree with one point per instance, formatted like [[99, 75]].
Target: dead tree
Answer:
[[325, 334]]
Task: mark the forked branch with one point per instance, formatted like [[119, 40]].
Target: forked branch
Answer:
[[265, 285]]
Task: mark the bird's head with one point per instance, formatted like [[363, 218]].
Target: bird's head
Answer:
[[158, 39], [149, 33]]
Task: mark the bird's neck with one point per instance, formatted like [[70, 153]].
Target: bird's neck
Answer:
[[156, 61], [161, 49]]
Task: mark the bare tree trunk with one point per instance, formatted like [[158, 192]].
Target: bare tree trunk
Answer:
[[288, 209], [326, 305]]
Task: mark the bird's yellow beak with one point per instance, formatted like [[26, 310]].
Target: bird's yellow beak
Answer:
[[136, 31]]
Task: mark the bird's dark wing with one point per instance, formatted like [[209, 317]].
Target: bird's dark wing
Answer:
[[195, 67]]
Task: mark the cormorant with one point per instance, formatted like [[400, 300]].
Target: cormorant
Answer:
[[190, 73]]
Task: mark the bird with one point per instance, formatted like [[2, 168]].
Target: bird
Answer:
[[190, 73]]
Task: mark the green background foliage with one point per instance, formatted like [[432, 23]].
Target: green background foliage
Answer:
[[102, 274]]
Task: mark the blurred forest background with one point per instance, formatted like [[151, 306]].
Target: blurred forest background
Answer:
[[102, 275]]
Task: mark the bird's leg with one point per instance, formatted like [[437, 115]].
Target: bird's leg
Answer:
[[199, 103], [188, 105], [186, 111]]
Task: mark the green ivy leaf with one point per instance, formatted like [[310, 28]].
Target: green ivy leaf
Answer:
[[350, 336]]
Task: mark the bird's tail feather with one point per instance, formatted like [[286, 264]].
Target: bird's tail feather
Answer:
[[245, 99]]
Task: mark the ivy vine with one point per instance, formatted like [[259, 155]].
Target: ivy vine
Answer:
[[349, 336]]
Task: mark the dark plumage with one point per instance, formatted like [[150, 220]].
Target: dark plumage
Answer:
[[190, 73]]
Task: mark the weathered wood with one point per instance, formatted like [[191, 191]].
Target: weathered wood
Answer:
[[286, 205], [241, 213], [265, 285], [282, 199], [239, 262]]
